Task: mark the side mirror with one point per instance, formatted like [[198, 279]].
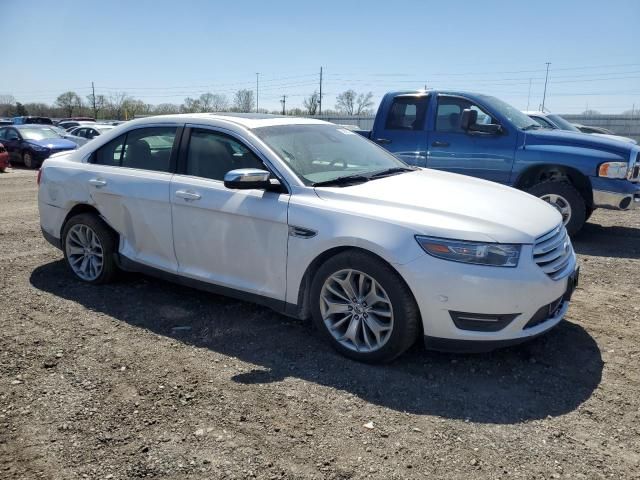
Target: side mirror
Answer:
[[469, 123], [468, 119], [248, 178]]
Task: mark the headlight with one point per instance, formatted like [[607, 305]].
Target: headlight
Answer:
[[493, 254], [38, 148], [613, 170]]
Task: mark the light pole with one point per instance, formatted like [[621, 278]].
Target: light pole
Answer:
[[257, 84], [546, 78]]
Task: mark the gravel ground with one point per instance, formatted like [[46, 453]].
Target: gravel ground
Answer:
[[142, 378]]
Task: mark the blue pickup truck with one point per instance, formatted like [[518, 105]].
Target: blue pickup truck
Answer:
[[484, 137]]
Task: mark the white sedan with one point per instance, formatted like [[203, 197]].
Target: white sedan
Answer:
[[315, 221]]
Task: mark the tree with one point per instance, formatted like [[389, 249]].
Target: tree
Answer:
[[363, 102], [191, 105], [20, 111], [133, 107], [243, 101], [166, 109], [311, 103], [345, 102], [116, 104], [68, 102], [39, 109], [6, 105], [100, 104], [213, 102]]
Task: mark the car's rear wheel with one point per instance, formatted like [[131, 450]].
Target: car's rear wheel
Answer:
[[89, 248], [363, 307], [28, 160], [567, 200]]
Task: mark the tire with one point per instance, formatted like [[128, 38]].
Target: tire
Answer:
[[560, 193], [103, 271], [28, 160], [399, 315]]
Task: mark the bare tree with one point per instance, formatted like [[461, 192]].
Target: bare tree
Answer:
[[99, 106], [166, 109], [345, 102], [116, 104], [311, 103], [69, 101], [191, 105], [243, 101], [133, 107], [363, 102], [7, 105], [39, 109]]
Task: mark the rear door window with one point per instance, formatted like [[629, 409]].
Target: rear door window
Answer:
[[407, 113]]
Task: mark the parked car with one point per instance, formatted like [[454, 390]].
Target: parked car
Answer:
[[84, 133], [32, 120], [315, 221], [6, 121], [69, 124], [77, 119], [4, 159], [554, 121], [482, 136], [32, 144]]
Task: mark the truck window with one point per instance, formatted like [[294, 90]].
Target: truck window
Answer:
[[450, 110], [407, 113]]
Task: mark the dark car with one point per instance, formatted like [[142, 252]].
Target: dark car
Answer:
[[32, 144], [32, 120]]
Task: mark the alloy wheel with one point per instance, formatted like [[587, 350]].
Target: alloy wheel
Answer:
[[561, 204], [356, 310], [84, 252]]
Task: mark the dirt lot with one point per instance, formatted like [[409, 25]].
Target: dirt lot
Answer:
[[143, 378]]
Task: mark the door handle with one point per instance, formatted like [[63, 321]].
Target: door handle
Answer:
[[382, 140], [188, 195], [98, 182], [440, 144]]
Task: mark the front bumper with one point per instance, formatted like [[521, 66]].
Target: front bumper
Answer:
[[615, 194], [441, 287]]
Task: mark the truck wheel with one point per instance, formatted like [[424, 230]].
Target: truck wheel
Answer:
[[363, 307], [89, 247], [564, 197]]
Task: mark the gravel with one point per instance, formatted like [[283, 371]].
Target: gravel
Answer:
[[145, 379]]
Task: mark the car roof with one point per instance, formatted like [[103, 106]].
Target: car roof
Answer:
[[247, 120]]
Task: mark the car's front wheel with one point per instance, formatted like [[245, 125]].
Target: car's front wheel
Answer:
[[363, 307], [28, 160], [89, 248]]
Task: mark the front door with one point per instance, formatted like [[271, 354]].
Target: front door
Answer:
[[476, 154], [403, 132], [128, 180], [232, 238]]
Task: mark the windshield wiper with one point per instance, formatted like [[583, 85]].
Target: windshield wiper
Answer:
[[533, 126], [346, 180], [392, 171]]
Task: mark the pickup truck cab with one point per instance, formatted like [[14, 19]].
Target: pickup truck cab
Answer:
[[482, 136]]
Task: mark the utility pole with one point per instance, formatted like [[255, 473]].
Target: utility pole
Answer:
[[546, 78], [257, 84], [93, 97], [320, 99], [284, 103], [529, 95]]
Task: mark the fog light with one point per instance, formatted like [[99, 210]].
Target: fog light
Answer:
[[482, 322]]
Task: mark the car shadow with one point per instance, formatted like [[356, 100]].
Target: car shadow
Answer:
[[607, 241], [549, 376]]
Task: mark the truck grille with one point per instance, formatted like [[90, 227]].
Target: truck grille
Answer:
[[553, 252], [634, 173]]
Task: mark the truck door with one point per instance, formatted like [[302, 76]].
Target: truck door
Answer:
[[488, 156], [402, 131]]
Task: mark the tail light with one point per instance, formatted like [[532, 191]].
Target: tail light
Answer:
[[39, 176]]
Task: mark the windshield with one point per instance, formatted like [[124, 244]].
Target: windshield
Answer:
[[561, 123], [515, 116], [39, 133], [322, 153]]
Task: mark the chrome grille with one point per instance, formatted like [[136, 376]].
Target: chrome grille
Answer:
[[553, 252]]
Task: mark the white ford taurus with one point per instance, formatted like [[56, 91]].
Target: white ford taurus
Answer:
[[315, 221]]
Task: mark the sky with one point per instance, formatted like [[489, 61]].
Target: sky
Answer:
[[165, 50]]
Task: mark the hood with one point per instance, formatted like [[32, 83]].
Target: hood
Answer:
[[54, 143], [576, 139], [448, 205], [616, 137]]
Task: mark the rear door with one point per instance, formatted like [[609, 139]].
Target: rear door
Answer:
[[402, 131], [233, 238], [453, 149], [129, 180]]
